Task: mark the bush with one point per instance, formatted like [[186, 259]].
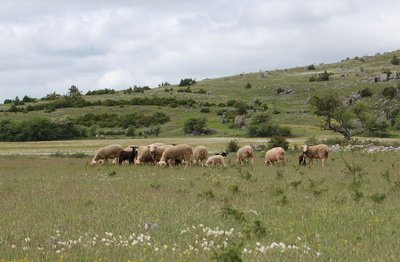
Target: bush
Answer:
[[278, 141], [205, 110], [260, 126], [311, 67], [184, 90], [130, 131], [187, 82], [195, 126], [395, 60], [38, 129], [248, 86], [232, 146], [321, 77], [201, 91], [100, 92], [366, 92], [389, 92]]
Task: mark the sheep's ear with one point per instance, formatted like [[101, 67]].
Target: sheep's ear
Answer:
[[148, 146]]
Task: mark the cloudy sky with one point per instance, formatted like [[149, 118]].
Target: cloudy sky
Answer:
[[49, 45]]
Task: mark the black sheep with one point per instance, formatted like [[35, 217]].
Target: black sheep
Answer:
[[127, 155]]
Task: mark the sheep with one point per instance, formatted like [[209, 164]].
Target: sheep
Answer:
[[153, 147], [215, 160], [108, 152], [244, 154], [222, 153], [182, 152], [302, 159], [275, 154], [320, 151], [200, 154], [128, 155], [145, 155]]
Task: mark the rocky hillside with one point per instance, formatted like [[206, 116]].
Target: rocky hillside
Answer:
[[282, 94]]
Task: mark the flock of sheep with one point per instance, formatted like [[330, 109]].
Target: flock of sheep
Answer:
[[178, 154]]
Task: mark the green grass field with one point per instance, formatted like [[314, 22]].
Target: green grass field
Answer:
[[61, 208]]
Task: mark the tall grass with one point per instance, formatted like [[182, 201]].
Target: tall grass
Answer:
[[61, 208]]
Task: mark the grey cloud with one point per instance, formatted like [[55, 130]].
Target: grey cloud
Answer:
[[47, 46]]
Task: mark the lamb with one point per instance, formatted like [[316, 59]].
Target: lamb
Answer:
[[127, 155], [109, 152], [200, 154], [182, 152], [215, 160], [275, 154], [244, 154], [320, 151]]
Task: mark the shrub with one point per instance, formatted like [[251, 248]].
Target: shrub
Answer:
[[184, 90], [195, 125], [232, 146], [395, 60], [248, 86], [201, 91], [311, 67], [366, 92], [187, 82], [278, 141], [261, 126], [130, 131], [205, 110], [100, 92], [389, 92], [38, 129], [321, 77]]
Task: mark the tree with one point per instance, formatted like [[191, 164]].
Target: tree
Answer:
[[343, 119], [74, 91]]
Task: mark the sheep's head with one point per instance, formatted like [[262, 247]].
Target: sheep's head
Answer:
[[152, 151], [304, 148], [162, 163], [302, 159]]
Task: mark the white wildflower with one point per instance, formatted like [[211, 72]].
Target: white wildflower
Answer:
[[13, 246], [273, 245], [27, 239]]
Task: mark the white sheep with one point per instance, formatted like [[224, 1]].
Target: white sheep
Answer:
[[215, 160], [153, 148], [180, 152], [108, 152], [275, 154], [146, 156], [244, 155], [320, 151], [200, 154]]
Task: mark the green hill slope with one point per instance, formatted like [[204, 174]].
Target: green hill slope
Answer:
[[282, 93]]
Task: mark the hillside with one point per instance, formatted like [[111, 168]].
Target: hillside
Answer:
[[282, 93]]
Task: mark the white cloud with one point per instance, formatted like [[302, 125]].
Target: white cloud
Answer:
[[48, 46]]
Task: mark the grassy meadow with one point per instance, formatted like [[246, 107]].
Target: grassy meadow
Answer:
[[57, 207]]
